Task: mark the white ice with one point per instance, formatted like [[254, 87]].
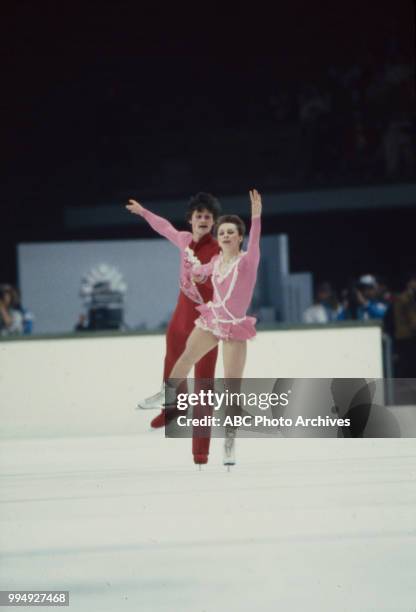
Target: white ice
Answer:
[[129, 523]]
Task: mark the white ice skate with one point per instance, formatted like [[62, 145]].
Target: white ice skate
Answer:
[[165, 398], [229, 449], [155, 401]]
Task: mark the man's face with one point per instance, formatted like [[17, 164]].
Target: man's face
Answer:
[[201, 222]]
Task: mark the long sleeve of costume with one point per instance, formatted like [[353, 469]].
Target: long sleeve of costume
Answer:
[[203, 271], [253, 246], [205, 285], [166, 229]]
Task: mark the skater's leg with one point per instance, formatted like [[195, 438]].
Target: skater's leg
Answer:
[[204, 379], [205, 368], [199, 343], [179, 329], [177, 333], [234, 355]]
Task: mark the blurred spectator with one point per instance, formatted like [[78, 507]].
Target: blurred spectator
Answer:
[[313, 106], [398, 151], [325, 308], [384, 292], [362, 301], [27, 316], [82, 324], [397, 71], [360, 150], [404, 313], [11, 319]]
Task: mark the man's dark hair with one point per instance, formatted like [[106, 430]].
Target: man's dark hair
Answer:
[[204, 201], [237, 221]]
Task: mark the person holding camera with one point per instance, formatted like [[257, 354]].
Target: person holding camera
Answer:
[[361, 301]]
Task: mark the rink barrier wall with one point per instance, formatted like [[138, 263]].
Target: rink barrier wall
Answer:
[[261, 327], [89, 383]]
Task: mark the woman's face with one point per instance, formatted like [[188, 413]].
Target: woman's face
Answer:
[[228, 237], [202, 222]]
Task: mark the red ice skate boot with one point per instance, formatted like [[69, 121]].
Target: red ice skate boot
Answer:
[[165, 417], [200, 459], [158, 421], [200, 445]]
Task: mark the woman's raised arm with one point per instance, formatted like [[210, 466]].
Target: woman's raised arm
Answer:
[[253, 247]]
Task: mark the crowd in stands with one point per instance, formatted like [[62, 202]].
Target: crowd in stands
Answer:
[[360, 301], [370, 299], [356, 122], [347, 124], [339, 121]]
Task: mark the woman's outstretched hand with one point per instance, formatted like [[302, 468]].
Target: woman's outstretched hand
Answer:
[[134, 207], [255, 198]]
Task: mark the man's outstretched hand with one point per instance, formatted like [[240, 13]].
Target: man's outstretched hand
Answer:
[[135, 207]]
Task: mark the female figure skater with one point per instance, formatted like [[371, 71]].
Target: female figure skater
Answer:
[[233, 274], [196, 246]]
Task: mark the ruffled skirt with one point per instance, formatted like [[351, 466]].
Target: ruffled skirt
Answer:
[[209, 321]]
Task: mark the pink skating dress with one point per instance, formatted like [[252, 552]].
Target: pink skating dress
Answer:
[[226, 315]]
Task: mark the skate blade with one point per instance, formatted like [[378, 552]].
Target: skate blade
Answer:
[[144, 407]]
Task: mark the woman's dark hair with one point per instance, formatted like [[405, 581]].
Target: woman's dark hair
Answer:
[[237, 221], [203, 201]]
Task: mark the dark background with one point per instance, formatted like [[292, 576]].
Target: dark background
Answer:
[[107, 100]]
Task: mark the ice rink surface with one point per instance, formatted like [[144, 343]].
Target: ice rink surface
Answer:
[[129, 523]]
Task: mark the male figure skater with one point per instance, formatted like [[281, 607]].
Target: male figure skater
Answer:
[[197, 246]]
